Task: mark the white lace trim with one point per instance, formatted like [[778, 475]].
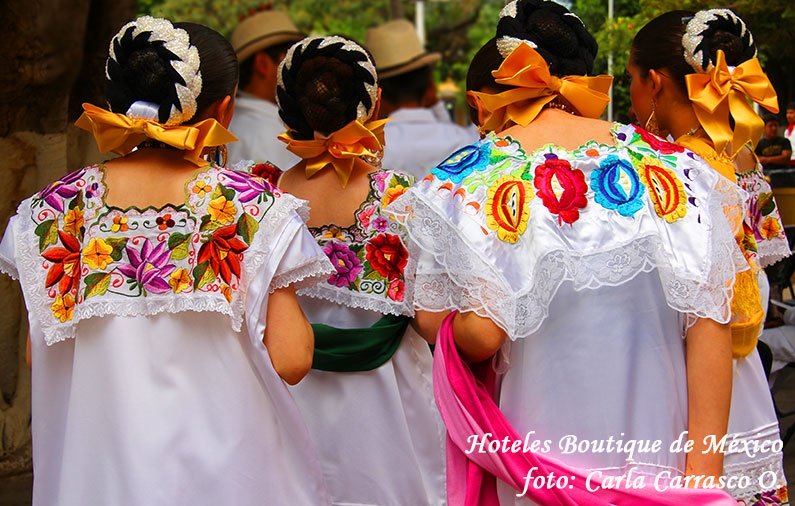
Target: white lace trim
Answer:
[[467, 282], [315, 271], [32, 277], [8, 267], [362, 300], [771, 252], [759, 472]]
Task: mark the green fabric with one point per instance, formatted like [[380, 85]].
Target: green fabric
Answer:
[[351, 350]]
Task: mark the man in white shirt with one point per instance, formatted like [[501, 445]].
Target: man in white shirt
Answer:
[[416, 138], [789, 132], [261, 42]]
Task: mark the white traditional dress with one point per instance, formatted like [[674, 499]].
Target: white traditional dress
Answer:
[[378, 431], [594, 261], [151, 385]]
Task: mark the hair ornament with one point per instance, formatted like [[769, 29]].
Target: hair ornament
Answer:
[[697, 37], [173, 45], [329, 46], [506, 44]]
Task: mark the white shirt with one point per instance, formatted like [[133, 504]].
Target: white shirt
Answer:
[[417, 141], [790, 135], [257, 125]]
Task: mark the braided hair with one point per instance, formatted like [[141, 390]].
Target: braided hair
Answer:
[[558, 35], [176, 70], [324, 83]]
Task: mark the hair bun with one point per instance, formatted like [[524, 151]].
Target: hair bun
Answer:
[[555, 32], [152, 61], [713, 29]]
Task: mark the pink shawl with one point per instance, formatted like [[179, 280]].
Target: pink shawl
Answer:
[[465, 401]]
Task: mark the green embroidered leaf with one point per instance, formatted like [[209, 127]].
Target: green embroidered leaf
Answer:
[[178, 244], [228, 193], [118, 244], [96, 284], [203, 275], [77, 202], [207, 223], [247, 226], [766, 204], [47, 232], [371, 274]]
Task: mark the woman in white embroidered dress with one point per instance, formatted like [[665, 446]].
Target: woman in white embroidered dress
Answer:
[[368, 400], [595, 257], [674, 62], [161, 298]]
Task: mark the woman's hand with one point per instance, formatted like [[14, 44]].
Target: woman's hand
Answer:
[[288, 336]]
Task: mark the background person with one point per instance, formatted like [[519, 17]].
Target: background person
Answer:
[[773, 150], [163, 318], [261, 41], [417, 138]]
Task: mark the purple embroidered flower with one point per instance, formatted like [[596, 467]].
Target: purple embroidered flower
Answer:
[[149, 267], [380, 224], [91, 190], [247, 186], [65, 188], [380, 178], [345, 261]]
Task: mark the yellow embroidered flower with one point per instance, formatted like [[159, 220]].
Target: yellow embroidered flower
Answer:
[[96, 255], [73, 221], [201, 189], [508, 207], [391, 194], [63, 308], [119, 224], [665, 189], [227, 291], [770, 228], [222, 210], [180, 280]]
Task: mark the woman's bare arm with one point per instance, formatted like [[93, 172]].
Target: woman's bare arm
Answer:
[[288, 336]]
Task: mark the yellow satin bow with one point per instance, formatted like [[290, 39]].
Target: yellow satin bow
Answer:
[[120, 134], [721, 91], [341, 149], [535, 87]]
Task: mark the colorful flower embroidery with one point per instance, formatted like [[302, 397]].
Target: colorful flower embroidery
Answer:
[[387, 255], [663, 147], [345, 262], [561, 188], [508, 207], [392, 193], [196, 247], [463, 162], [617, 186], [396, 289], [770, 228], [96, 255], [665, 189]]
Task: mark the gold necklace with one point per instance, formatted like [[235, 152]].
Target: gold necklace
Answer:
[[563, 107]]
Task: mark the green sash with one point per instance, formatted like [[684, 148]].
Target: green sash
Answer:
[[352, 350]]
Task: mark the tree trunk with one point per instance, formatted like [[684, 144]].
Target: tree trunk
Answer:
[[48, 47], [396, 9]]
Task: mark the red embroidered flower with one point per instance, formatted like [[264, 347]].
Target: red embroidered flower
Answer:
[[65, 270], [164, 222], [387, 255], [664, 147], [396, 290], [223, 252], [561, 189], [267, 171]]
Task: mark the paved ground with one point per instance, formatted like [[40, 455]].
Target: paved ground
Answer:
[[15, 491]]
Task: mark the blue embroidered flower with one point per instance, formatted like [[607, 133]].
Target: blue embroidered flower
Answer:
[[463, 162], [616, 185]]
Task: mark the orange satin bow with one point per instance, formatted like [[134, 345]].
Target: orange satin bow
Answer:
[[120, 134], [341, 149], [535, 87], [723, 91]]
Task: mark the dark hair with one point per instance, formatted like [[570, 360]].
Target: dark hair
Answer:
[[321, 87], [142, 70], [658, 45], [275, 53], [771, 118], [407, 87], [560, 36], [791, 105], [479, 74]]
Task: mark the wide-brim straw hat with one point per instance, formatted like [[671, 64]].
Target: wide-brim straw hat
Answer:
[[397, 49], [261, 31]]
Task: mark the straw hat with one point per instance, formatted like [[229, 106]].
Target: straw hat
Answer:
[[396, 49], [261, 31]]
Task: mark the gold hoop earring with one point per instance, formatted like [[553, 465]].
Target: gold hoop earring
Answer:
[[218, 155], [651, 123]]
